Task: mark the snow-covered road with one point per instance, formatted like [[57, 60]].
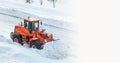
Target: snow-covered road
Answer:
[[36, 10]]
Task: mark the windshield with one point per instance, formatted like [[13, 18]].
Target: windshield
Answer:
[[35, 25]]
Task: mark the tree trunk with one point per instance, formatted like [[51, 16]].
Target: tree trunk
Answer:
[[53, 3], [27, 1], [41, 2]]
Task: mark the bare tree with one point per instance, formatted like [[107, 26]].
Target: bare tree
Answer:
[[41, 2], [53, 1], [28, 1]]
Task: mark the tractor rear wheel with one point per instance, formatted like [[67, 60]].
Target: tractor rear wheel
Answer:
[[36, 44], [17, 38]]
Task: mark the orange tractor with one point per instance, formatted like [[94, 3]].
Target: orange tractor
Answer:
[[30, 33]]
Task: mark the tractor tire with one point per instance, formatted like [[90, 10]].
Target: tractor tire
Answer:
[[36, 44], [17, 38]]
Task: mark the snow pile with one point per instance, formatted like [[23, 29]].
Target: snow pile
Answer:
[[15, 53], [55, 50]]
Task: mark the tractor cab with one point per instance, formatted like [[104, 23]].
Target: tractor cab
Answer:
[[31, 24]]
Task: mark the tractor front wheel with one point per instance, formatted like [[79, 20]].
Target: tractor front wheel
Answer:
[[36, 44], [18, 38]]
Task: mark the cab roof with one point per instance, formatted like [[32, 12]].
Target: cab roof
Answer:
[[31, 19]]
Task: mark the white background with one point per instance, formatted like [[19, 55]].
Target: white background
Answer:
[[98, 25]]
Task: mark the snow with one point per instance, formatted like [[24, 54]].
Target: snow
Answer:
[[15, 53], [42, 11], [57, 52], [12, 13]]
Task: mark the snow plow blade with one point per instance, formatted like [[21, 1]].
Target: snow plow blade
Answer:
[[55, 39]]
